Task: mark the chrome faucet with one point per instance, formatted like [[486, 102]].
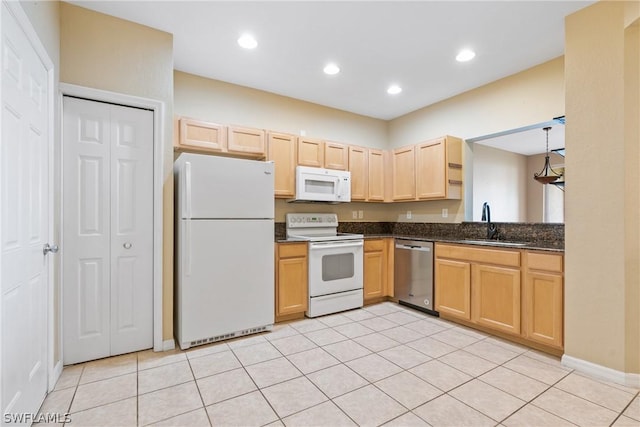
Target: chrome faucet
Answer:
[[492, 230]]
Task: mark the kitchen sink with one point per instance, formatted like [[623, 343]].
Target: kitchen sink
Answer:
[[494, 243]]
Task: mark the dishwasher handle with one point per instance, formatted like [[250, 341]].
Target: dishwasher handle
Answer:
[[413, 247]]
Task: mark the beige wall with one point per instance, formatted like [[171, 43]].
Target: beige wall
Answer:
[[532, 96], [226, 103], [499, 178], [103, 52], [602, 222], [45, 19]]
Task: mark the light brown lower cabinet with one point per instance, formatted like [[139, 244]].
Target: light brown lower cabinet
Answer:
[[375, 269], [496, 297], [453, 288], [378, 269], [543, 300], [515, 292], [291, 279]]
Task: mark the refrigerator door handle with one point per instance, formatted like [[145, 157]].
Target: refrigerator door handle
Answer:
[[187, 190], [186, 249]]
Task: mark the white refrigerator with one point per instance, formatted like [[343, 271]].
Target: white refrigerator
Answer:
[[224, 248]]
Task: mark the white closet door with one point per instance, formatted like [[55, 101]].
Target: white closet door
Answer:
[[24, 212], [108, 213], [131, 229]]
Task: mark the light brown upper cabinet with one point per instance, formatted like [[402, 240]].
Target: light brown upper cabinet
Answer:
[[207, 137], [198, 135], [282, 151], [430, 162], [246, 141], [310, 152], [336, 156], [359, 172], [376, 177], [404, 176], [435, 174], [439, 169]]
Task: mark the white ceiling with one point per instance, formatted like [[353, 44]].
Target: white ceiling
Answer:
[[375, 43]]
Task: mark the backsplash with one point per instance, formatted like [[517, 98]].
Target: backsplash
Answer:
[[547, 235]]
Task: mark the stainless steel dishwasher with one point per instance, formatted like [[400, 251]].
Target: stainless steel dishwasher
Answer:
[[413, 274]]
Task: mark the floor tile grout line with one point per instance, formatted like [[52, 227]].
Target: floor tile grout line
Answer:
[[531, 402], [585, 399], [193, 374], [636, 396]]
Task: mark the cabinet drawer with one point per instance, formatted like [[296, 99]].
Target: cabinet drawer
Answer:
[[291, 250], [373, 245], [544, 262], [487, 256]]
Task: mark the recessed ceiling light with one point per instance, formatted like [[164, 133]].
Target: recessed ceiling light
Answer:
[[465, 55], [331, 69], [394, 90], [247, 41]]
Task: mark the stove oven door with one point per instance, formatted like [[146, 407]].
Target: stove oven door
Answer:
[[335, 266]]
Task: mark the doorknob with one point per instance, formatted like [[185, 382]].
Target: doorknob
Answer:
[[49, 248], [127, 245]]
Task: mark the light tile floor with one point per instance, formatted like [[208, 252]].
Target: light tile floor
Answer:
[[381, 365]]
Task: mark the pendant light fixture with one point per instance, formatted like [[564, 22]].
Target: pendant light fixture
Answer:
[[547, 175]]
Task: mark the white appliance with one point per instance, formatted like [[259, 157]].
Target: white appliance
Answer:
[[335, 263], [224, 239], [322, 185]]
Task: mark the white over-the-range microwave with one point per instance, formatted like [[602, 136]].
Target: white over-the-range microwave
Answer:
[[322, 185]]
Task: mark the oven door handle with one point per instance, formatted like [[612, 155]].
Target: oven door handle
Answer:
[[333, 245]]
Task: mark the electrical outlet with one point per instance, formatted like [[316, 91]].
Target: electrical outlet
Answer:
[[445, 212], [408, 214], [360, 214], [354, 214]]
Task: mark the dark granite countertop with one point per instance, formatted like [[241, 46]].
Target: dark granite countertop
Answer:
[[530, 236]]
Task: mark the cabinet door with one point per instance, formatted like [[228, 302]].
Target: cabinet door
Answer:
[[282, 151], [310, 152], [543, 308], [430, 170], [404, 178], [496, 297], [453, 288], [202, 136], [246, 141], [336, 156], [375, 175], [375, 269], [358, 169], [291, 279]]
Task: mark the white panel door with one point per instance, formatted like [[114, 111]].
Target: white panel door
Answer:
[[108, 215], [23, 209], [131, 229]]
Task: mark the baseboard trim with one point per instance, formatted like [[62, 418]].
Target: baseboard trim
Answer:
[[55, 375], [168, 345], [623, 378]]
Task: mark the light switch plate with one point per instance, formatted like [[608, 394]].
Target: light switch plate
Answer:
[[445, 212], [354, 214], [408, 214], [360, 214]]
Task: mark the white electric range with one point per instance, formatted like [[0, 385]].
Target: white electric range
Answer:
[[335, 262]]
